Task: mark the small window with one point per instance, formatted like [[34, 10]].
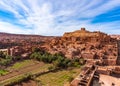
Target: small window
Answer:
[[113, 84]]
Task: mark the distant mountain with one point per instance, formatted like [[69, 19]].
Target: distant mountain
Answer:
[[19, 37], [2, 35], [11, 34]]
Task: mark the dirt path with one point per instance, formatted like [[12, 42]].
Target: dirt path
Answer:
[[21, 71]]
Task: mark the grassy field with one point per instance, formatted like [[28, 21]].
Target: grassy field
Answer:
[[3, 72], [17, 66], [23, 68], [42, 68], [58, 78], [22, 64]]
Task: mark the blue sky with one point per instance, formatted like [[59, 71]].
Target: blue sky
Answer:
[[54, 17]]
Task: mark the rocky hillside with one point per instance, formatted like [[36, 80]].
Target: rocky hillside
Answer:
[[85, 44], [8, 40]]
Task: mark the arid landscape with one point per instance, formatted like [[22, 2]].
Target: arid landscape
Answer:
[[59, 42], [79, 58]]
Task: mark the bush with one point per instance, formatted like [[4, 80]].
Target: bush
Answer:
[[20, 79], [5, 62], [81, 61], [70, 79], [2, 55], [51, 68], [76, 64], [3, 72], [57, 59]]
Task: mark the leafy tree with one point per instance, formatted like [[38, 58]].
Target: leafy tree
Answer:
[[51, 68], [6, 61], [81, 61], [2, 55], [57, 59]]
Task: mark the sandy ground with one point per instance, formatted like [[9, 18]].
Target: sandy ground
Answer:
[[109, 80]]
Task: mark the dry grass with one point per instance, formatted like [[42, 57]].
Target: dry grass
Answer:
[[22, 64], [58, 78]]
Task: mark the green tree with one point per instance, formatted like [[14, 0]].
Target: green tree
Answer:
[[51, 68], [81, 61], [2, 55]]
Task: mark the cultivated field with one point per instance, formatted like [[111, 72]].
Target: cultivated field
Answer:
[[21, 68], [58, 78]]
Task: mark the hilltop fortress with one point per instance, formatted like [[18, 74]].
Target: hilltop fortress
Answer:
[[92, 46], [87, 36]]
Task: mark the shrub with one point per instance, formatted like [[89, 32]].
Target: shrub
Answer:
[[51, 68], [57, 59], [2, 55], [3, 72], [70, 78]]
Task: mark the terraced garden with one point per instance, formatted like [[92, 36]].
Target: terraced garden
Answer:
[[58, 78], [21, 68]]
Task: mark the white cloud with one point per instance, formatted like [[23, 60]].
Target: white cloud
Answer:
[[104, 27], [44, 16], [9, 28], [103, 8]]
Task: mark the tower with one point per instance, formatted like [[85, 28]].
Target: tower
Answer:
[[82, 29]]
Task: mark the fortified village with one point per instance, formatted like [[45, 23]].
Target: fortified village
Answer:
[[100, 51]]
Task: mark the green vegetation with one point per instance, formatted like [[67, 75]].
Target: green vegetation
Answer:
[[52, 62], [43, 68], [57, 59], [51, 68], [70, 79], [5, 59], [25, 75], [18, 79], [3, 72], [58, 78], [22, 64], [2, 55], [27, 63]]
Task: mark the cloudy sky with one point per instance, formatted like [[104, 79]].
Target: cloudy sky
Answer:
[[54, 17]]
